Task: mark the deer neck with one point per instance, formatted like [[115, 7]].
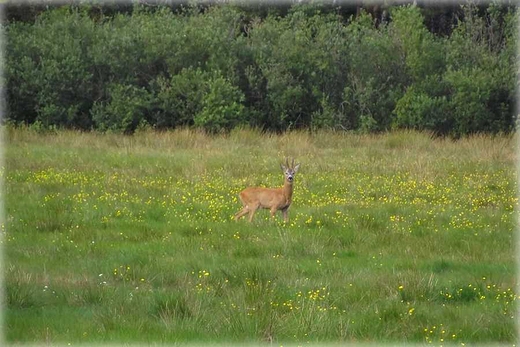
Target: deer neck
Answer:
[[288, 190]]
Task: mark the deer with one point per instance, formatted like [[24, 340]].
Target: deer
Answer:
[[274, 199]]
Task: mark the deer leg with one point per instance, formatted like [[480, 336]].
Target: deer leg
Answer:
[[252, 211], [241, 213], [273, 212], [285, 212]]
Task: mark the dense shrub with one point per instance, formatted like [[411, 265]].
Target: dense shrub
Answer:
[[376, 76], [126, 108], [424, 105], [481, 73], [178, 98], [217, 67], [297, 65], [465, 83], [422, 111], [47, 69], [222, 107]]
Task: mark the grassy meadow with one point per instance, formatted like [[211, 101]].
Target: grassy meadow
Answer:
[[392, 238]]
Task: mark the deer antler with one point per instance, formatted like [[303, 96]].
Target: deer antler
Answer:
[[292, 165]]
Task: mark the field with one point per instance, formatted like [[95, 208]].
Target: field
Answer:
[[392, 238]]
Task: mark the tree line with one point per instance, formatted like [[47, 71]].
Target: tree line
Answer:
[[220, 66]]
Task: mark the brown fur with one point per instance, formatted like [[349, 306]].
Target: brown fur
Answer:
[[274, 199]]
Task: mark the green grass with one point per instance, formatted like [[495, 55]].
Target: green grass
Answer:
[[392, 238]]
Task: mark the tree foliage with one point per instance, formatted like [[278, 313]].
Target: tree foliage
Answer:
[[221, 66]]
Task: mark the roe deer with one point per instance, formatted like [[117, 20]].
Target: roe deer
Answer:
[[274, 199]]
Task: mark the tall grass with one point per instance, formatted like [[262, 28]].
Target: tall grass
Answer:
[[392, 238]]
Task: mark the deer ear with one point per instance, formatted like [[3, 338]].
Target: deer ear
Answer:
[[283, 167], [296, 168]]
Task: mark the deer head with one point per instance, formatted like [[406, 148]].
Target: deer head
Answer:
[[289, 171]]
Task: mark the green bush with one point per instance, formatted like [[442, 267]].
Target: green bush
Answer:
[[478, 102], [421, 51], [128, 107], [297, 64], [47, 69], [421, 111], [376, 77], [222, 107], [178, 99], [480, 73], [460, 85]]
